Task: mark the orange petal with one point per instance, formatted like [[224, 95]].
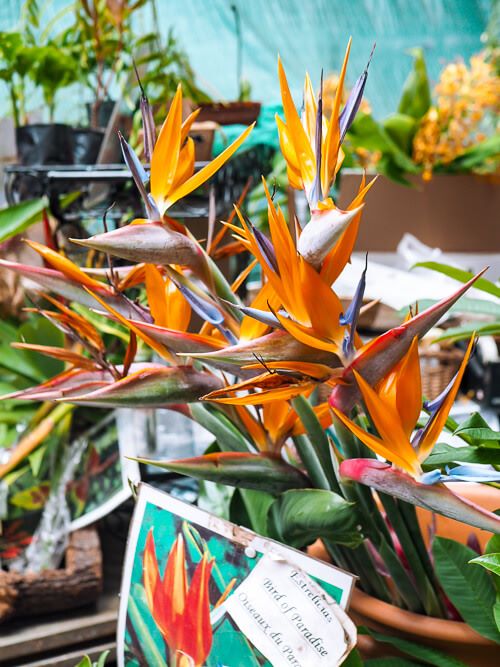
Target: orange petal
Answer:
[[150, 569], [197, 629], [378, 446], [155, 291], [439, 420], [206, 172], [67, 267], [402, 388], [166, 153], [298, 136]]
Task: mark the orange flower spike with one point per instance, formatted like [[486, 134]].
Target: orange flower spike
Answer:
[[438, 421], [402, 388], [196, 638], [166, 152], [253, 427], [297, 136], [150, 569], [155, 291], [174, 595], [331, 145]]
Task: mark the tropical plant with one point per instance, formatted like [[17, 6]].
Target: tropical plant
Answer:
[[349, 470], [103, 40], [451, 129]]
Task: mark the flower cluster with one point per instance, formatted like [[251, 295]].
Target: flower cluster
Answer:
[[467, 103]]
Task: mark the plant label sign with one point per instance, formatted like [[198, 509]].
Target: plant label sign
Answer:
[[201, 591], [289, 617]]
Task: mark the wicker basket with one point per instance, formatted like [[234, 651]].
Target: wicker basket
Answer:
[[438, 366]]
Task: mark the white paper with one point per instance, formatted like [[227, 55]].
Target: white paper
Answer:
[[290, 618]]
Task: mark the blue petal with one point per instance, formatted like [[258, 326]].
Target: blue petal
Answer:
[[140, 177], [473, 473], [265, 247], [352, 313], [350, 110], [432, 477]]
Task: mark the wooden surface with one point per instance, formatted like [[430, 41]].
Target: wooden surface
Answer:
[[60, 639]]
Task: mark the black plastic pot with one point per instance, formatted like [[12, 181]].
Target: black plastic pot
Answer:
[[103, 113], [86, 145], [45, 144]]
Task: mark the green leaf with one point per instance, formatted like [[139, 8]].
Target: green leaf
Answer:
[[490, 562], [467, 330], [444, 454], [478, 430], [317, 438], [229, 438], [250, 508], [243, 470], [35, 460], [42, 332], [102, 659], [401, 128], [85, 662], [299, 517], [17, 218], [353, 659], [462, 276], [470, 589], [416, 96], [425, 654], [138, 611]]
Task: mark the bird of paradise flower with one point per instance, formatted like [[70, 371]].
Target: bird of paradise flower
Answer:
[[181, 610]]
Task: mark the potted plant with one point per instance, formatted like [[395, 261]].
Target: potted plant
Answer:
[[104, 41], [242, 111], [444, 143], [350, 470]]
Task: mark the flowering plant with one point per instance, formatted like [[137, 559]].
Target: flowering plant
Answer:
[[450, 129], [303, 469]]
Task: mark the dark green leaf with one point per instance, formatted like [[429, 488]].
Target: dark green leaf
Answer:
[[416, 96], [299, 517], [478, 430], [470, 589], [248, 471], [425, 654], [444, 454]]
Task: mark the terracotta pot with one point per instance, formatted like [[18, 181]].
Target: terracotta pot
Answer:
[[230, 113], [452, 637], [439, 213]]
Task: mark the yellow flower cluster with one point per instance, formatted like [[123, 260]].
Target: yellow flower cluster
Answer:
[[466, 96]]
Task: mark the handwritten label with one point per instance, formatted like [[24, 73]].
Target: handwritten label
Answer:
[[290, 619]]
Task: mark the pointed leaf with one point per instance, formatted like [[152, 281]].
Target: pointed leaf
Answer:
[[470, 589], [463, 276], [153, 386], [249, 471]]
